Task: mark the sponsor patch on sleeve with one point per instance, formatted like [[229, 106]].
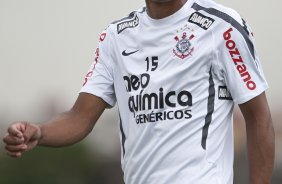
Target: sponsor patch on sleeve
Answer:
[[223, 93], [201, 20], [127, 24]]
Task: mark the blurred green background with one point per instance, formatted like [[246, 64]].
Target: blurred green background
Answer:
[[46, 48], [71, 165]]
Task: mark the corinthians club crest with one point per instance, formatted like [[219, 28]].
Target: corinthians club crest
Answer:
[[183, 47]]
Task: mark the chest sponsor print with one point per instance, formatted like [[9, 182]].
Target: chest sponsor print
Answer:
[[152, 106]]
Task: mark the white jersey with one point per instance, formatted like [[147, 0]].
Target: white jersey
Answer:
[[175, 81]]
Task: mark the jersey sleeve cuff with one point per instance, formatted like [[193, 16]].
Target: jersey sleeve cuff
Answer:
[[246, 98], [109, 101]]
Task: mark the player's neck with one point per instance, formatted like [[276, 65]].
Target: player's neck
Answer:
[[158, 10]]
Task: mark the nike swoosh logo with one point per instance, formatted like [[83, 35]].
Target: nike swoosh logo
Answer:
[[124, 53]]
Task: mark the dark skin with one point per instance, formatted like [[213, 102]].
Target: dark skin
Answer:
[[158, 9], [65, 129], [72, 126], [260, 139]]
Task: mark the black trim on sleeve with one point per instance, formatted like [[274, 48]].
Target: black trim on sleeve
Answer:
[[130, 16], [123, 138], [210, 110], [245, 26], [230, 20]]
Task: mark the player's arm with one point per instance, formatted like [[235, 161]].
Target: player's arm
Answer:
[[72, 126], [65, 129], [260, 139], [240, 68]]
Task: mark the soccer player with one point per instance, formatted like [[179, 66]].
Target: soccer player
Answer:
[[175, 68]]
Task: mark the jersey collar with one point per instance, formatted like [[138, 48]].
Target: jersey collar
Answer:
[[172, 18]]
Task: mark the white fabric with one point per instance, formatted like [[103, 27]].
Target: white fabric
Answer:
[[175, 93]]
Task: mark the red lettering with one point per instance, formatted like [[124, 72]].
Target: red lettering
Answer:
[[241, 68], [251, 85], [89, 74], [96, 59], [234, 52], [97, 52], [227, 34], [246, 76], [85, 81], [237, 60], [103, 36], [230, 44], [97, 56]]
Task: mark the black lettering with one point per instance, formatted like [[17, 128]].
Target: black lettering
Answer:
[[145, 78], [137, 119], [146, 118], [188, 114], [178, 114], [152, 117], [161, 98], [131, 104], [140, 99], [159, 116], [149, 98], [182, 96], [164, 115], [135, 82], [128, 86], [168, 115], [167, 101]]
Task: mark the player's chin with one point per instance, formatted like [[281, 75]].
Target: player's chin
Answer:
[[162, 1]]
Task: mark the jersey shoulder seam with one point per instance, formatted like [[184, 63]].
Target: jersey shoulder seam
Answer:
[[129, 16], [230, 17]]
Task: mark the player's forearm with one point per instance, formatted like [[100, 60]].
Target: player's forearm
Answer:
[[65, 129], [260, 142]]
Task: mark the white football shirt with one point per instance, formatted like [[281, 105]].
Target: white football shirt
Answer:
[[175, 81]]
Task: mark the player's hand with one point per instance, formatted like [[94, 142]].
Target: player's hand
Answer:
[[21, 137]]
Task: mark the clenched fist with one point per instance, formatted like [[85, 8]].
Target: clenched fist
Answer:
[[21, 137]]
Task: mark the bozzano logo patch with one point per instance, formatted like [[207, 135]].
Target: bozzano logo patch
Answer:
[[238, 60]]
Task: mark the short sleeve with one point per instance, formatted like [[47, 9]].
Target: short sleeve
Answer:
[[99, 79], [238, 62]]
